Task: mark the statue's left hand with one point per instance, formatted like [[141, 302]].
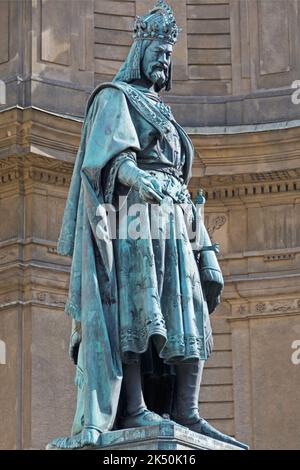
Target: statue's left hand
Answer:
[[75, 341], [212, 293]]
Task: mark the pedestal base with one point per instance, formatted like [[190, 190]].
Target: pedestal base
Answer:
[[166, 436]]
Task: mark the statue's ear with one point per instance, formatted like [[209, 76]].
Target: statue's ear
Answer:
[[169, 82]]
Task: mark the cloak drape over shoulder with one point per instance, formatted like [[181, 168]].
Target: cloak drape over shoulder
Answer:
[[93, 299]]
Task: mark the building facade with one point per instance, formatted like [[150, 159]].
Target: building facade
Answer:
[[236, 68]]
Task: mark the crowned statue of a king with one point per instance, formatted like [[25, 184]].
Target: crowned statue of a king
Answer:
[[144, 275]]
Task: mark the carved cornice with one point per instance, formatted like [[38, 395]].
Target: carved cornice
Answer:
[[226, 166], [35, 168], [239, 186], [248, 152]]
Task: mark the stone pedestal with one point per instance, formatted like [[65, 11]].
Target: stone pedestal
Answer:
[[166, 436]]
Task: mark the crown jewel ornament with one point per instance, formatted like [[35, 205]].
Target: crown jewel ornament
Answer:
[[160, 23]]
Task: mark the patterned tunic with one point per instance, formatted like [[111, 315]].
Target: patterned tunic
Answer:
[[160, 295]]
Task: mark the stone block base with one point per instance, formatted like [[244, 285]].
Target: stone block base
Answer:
[[166, 436]]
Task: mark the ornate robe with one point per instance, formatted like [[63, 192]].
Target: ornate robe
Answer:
[[133, 296]]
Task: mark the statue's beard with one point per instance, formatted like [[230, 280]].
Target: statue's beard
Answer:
[[159, 77]]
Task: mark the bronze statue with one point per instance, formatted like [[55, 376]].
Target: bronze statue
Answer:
[[140, 303]]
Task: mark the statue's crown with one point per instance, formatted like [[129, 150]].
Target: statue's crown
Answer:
[[160, 23]]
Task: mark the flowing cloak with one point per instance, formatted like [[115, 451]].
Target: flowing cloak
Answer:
[[108, 131]]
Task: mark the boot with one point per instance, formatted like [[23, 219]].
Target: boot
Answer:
[[185, 409], [88, 437], [137, 414]]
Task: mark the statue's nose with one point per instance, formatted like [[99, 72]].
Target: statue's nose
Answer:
[[164, 63]]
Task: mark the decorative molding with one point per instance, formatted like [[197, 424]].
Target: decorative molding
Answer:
[[278, 306], [251, 184], [280, 257], [248, 185], [47, 297], [261, 177], [264, 308], [50, 176], [35, 168]]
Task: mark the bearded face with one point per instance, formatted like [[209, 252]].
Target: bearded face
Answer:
[[156, 63]]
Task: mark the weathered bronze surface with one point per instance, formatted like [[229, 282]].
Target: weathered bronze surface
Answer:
[[140, 299]]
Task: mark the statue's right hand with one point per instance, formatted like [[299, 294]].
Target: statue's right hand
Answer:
[[147, 186], [149, 189], [75, 341]]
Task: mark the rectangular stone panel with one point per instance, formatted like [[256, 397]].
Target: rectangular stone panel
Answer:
[[216, 393], [212, 72], [122, 23], [208, 26], [224, 425], [106, 51], [219, 325], [215, 376], [220, 359], [107, 67], [37, 213], [279, 226], [56, 32], [222, 342], [55, 212], [238, 228], [120, 8], [53, 390], [188, 116], [205, 2], [10, 209], [209, 41], [274, 36], [105, 36], [4, 31], [217, 410], [9, 388], [209, 56], [275, 382], [207, 11], [244, 38]]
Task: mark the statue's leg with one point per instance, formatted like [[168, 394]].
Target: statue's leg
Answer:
[[185, 409], [133, 388], [137, 414]]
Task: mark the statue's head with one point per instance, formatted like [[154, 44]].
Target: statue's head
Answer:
[[156, 64], [150, 55]]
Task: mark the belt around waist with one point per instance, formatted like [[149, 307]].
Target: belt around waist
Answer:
[[176, 173], [172, 186]]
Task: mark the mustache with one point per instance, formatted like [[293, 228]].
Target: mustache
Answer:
[[160, 67]]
